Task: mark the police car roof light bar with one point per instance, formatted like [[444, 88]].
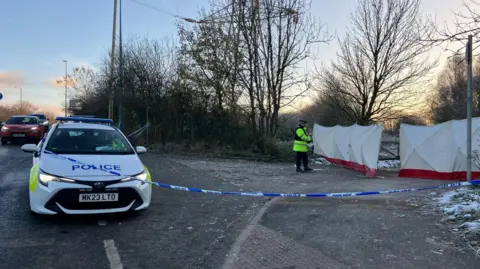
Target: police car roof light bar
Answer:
[[83, 116], [86, 120]]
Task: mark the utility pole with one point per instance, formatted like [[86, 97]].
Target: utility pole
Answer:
[[120, 70], [112, 63], [66, 81], [469, 108]]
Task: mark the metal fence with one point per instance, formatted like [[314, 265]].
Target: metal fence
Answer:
[[389, 146]]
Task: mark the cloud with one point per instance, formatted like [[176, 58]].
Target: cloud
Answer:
[[9, 79], [56, 109]]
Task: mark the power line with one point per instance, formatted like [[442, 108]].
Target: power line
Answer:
[[209, 18], [155, 8], [163, 11]]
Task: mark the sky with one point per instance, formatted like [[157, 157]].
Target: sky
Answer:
[[36, 36]]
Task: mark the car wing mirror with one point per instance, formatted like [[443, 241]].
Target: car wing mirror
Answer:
[[30, 148], [141, 150]]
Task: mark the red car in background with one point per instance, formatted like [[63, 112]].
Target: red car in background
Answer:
[[22, 128]]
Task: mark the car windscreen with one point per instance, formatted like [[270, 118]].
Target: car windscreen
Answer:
[[22, 120], [40, 116], [88, 141]]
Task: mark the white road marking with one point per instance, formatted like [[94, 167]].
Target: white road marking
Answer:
[[112, 254]]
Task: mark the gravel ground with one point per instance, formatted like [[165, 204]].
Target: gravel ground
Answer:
[[414, 216], [274, 177]]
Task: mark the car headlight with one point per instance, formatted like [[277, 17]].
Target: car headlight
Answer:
[[45, 178], [142, 177], [4, 129], [34, 129]]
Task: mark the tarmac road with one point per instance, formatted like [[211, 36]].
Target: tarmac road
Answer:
[[179, 230], [195, 230]]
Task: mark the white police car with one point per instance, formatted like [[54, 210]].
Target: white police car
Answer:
[[87, 166]]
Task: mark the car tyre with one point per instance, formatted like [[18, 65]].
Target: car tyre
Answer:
[[4, 141]]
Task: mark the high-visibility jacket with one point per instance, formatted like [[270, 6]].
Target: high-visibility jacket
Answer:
[[120, 146], [301, 140]]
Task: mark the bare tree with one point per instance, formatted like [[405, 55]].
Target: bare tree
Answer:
[[83, 82], [224, 83], [50, 115], [87, 86], [380, 63], [277, 36], [211, 58], [244, 57], [448, 100], [23, 108], [465, 23]]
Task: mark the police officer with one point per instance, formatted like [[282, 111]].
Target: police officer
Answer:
[[300, 146], [117, 144]]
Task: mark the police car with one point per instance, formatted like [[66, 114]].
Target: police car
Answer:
[[87, 166]]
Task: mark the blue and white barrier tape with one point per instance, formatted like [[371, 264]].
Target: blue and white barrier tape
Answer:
[[267, 194], [78, 162], [332, 194]]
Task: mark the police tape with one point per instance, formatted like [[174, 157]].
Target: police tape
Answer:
[[331, 194], [267, 194], [81, 163]]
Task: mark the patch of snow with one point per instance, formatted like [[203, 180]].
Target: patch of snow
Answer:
[[381, 164], [321, 160], [461, 209], [473, 226], [447, 197], [388, 164], [462, 206]]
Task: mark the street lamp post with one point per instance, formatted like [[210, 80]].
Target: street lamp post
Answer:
[[112, 62], [66, 77], [21, 98]]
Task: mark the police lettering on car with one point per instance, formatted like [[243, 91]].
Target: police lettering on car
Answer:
[[95, 167]]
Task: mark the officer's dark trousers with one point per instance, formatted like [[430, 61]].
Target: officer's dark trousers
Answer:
[[302, 156]]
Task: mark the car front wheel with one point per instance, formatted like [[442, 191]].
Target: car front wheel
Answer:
[[4, 141]]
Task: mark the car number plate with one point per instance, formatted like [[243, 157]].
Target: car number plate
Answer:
[[18, 135], [98, 197]]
